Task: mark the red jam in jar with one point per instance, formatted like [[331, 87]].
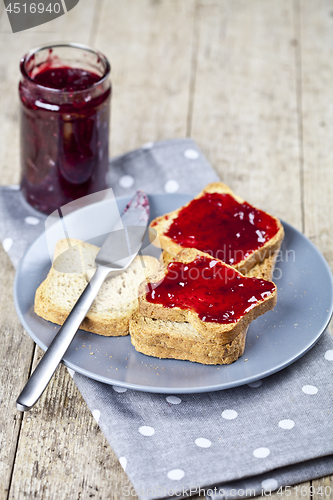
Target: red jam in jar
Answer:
[[217, 293], [219, 225], [65, 94]]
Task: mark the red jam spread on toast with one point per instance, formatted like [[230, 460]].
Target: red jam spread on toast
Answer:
[[219, 225], [216, 292]]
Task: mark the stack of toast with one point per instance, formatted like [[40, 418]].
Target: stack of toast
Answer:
[[198, 309], [228, 244], [216, 223]]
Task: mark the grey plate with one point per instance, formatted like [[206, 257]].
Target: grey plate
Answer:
[[274, 341]]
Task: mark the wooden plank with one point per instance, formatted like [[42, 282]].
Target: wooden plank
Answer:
[[13, 47], [149, 45], [16, 355], [316, 52], [245, 107], [316, 71], [62, 453], [322, 488], [317, 122]]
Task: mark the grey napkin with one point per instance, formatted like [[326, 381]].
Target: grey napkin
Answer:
[[235, 443]]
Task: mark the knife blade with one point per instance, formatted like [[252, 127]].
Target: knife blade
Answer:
[[120, 245], [115, 256]]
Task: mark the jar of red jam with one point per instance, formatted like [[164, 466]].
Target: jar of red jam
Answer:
[[65, 93]]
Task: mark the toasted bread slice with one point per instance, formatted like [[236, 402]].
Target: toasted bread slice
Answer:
[[117, 300], [224, 328], [262, 270], [170, 339], [242, 258]]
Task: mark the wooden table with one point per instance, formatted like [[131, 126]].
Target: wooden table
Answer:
[[252, 82]]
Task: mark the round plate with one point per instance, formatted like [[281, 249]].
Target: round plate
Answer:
[[274, 341]]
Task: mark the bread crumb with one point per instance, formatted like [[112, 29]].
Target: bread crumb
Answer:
[[246, 359], [91, 353]]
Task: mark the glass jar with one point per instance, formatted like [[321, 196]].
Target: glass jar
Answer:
[[65, 94]]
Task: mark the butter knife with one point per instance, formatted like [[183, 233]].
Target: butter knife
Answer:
[[115, 256]]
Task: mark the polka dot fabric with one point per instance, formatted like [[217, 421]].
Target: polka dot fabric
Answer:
[[175, 166], [260, 436], [263, 432]]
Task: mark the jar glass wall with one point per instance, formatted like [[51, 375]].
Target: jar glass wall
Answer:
[[65, 93]]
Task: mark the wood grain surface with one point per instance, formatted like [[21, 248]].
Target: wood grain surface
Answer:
[[316, 129], [150, 45], [251, 82]]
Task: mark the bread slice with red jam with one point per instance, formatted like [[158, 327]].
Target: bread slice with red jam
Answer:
[[223, 225], [213, 297]]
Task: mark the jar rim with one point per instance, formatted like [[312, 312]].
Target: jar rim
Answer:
[[75, 45]]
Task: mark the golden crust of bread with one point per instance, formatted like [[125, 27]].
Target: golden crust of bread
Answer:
[[161, 224], [224, 332], [180, 335], [170, 342]]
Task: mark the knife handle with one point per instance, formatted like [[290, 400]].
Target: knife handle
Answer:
[[41, 376]]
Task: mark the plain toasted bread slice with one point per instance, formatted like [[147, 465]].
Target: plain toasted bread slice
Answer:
[[224, 332], [117, 300], [169, 339], [160, 226]]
